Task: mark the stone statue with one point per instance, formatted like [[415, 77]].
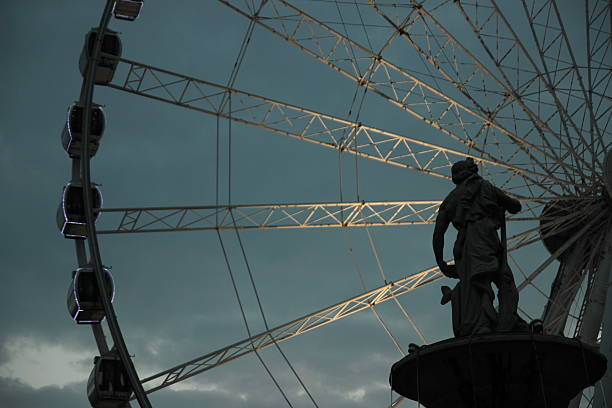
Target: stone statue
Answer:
[[476, 209]]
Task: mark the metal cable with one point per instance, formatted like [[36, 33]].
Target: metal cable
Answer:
[[263, 316], [230, 269], [246, 261], [345, 234], [397, 302], [246, 323]]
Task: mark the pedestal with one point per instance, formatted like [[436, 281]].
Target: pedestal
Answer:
[[509, 370]]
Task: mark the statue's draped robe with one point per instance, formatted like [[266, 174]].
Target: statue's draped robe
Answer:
[[476, 209]]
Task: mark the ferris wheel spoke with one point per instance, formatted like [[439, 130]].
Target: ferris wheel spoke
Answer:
[[565, 287], [552, 226], [599, 69], [462, 71], [289, 330], [594, 219], [283, 216], [532, 284], [561, 69], [528, 85], [397, 402], [304, 124], [372, 71], [274, 216]]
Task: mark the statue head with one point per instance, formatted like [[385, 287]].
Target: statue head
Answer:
[[463, 169]]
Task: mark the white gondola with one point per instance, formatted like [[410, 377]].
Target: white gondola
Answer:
[[71, 213], [127, 9], [108, 385], [106, 65], [71, 136], [84, 303]]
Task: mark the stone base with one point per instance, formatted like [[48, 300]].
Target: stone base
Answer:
[[502, 370]]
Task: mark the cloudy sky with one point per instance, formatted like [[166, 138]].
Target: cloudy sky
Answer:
[[174, 298]]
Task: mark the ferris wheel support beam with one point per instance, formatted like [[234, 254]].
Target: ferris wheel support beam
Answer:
[[584, 255], [433, 54], [294, 328], [564, 288], [301, 123], [419, 100], [603, 393], [598, 301]]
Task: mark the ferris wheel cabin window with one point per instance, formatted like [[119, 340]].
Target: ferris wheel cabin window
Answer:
[[83, 300], [72, 134], [71, 214], [127, 9], [105, 69], [108, 385]]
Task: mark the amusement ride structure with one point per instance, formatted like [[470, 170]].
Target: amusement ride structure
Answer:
[[523, 91]]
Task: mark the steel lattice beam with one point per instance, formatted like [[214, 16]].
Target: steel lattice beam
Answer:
[[275, 216], [292, 329], [304, 324], [464, 73], [371, 70], [313, 215], [531, 86], [599, 65], [560, 75], [301, 123]]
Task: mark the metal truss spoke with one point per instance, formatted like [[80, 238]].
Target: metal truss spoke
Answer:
[[561, 69], [292, 329], [599, 68], [461, 70], [582, 213], [594, 218], [300, 123], [315, 320], [529, 86], [371, 70], [282, 216]]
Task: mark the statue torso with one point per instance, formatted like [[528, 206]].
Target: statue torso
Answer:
[[472, 200]]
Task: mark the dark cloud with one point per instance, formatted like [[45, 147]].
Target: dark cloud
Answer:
[[14, 393]]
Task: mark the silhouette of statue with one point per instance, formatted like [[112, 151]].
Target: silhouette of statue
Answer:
[[476, 209]]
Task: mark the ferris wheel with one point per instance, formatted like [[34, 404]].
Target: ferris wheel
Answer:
[[523, 89]]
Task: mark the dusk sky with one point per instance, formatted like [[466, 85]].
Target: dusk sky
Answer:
[[174, 297]]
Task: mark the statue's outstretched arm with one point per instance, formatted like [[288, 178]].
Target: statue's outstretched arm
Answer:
[[509, 204]]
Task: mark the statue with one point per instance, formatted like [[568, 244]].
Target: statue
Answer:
[[495, 359], [477, 209]]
